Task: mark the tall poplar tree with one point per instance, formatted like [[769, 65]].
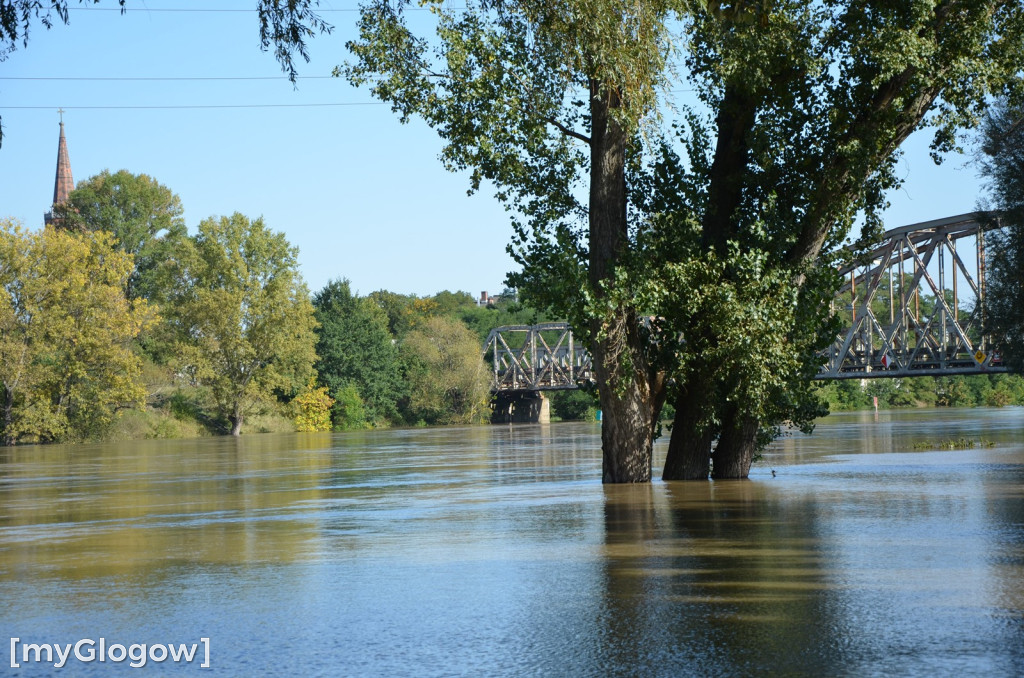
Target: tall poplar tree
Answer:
[[811, 103], [723, 237], [545, 100]]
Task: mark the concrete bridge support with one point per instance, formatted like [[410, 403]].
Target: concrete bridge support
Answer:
[[521, 407]]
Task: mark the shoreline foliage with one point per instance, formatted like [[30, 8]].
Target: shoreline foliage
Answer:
[[67, 359]]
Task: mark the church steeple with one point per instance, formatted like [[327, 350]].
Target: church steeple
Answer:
[[63, 184]]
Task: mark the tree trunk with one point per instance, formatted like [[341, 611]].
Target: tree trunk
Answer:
[[689, 449], [629, 407], [630, 398], [236, 423], [736, 446], [690, 446], [627, 440], [8, 438], [728, 173]]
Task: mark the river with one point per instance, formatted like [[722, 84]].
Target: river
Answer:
[[496, 551]]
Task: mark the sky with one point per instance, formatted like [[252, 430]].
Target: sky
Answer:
[[361, 195]]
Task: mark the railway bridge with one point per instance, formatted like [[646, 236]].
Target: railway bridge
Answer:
[[901, 303]]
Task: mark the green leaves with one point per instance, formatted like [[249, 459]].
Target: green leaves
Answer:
[[143, 216], [355, 348], [66, 332], [1003, 165], [241, 314], [447, 380], [287, 25]]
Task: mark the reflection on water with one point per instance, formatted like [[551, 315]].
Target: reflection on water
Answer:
[[496, 551]]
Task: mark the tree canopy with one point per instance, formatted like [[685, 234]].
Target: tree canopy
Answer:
[[1003, 166], [447, 377], [355, 347], [242, 315], [723, 229], [66, 331], [144, 217]]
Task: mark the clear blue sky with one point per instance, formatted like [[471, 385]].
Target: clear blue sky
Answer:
[[362, 196]]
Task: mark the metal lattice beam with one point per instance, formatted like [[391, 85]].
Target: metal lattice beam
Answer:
[[902, 304], [537, 358]]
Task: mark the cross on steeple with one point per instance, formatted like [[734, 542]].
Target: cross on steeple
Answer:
[[60, 111]]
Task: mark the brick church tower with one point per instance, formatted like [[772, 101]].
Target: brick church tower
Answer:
[[63, 184]]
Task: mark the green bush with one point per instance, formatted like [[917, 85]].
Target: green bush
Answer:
[[574, 405], [348, 413]]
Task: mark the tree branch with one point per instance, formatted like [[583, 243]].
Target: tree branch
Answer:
[[566, 131], [845, 178], [547, 119]]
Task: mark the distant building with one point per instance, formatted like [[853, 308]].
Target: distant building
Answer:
[[63, 184], [485, 299]]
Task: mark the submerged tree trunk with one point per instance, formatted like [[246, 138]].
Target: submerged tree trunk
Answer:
[[737, 446], [630, 398], [630, 402], [689, 448], [236, 423], [8, 438]]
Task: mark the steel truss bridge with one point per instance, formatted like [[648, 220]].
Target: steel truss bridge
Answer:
[[901, 304], [545, 357]]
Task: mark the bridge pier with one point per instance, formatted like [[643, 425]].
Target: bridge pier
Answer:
[[520, 407]]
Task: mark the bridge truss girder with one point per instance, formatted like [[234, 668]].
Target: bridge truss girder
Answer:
[[897, 283], [891, 333], [541, 357]]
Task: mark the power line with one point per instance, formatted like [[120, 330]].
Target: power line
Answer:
[[187, 106], [189, 78], [222, 11], [199, 79]]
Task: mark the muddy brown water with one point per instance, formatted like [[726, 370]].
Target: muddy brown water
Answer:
[[496, 551]]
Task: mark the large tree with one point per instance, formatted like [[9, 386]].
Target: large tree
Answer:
[[721, 237], [242, 315], [811, 104], [142, 214], [448, 382], [66, 334], [1003, 166], [355, 347], [544, 100]]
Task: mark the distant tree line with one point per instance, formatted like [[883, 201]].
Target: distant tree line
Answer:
[[115, 322], [980, 390]]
